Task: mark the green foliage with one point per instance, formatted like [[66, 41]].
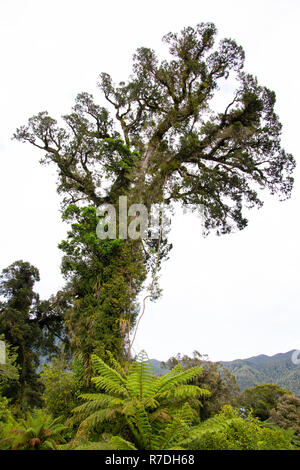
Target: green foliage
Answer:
[[7, 420], [287, 413], [228, 430], [27, 324], [5, 413], [155, 410], [104, 279], [19, 326], [215, 378], [78, 372], [9, 371], [209, 158], [106, 443], [38, 431], [262, 399], [59, 384]]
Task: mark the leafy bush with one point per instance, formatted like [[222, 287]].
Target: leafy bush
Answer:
[[7, 420], [59, 388], [287, 414], [228, 430], [262, 398]]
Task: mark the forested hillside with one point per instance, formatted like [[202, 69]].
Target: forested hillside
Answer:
[[278, 369]]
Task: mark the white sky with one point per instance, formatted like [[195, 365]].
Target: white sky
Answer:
[[229, 297]]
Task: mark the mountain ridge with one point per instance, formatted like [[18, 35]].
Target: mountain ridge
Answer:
[[277, 369]]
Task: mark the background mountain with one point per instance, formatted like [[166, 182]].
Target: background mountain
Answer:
[[278, 369]]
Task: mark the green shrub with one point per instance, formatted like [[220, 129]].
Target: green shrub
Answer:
[[228, 430], [59, 393], [7, 421]]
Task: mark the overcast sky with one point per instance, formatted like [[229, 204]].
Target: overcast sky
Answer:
[[229, 297]]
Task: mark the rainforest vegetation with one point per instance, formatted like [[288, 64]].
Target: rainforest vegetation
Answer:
[[70, 379]]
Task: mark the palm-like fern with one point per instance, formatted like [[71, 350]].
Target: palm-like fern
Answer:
[[38, 431], [155, 409]]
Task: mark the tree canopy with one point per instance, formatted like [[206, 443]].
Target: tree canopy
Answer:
[[163, 127], [262, 398]]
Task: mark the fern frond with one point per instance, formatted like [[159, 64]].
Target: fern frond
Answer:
[[144, 426], [186, 413], [189, 391], [118, 443], [150, 402], [129, 407], [173, 379], [179, 426], [90, 405], [109, 386], [116, 365], [161, 414], [103, 398], [97, 406], [49, 445], [142, 356], [111, 376], [98, 417], [207, 428], [141, 376], [135, 433], [170, 433]]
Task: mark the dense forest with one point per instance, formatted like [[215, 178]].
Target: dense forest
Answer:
[[70, 380]]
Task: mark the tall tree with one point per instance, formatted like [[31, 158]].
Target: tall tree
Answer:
[[165, 143], [24, 324]]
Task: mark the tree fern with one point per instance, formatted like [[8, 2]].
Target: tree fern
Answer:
[[37, 431], [154, 409]]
